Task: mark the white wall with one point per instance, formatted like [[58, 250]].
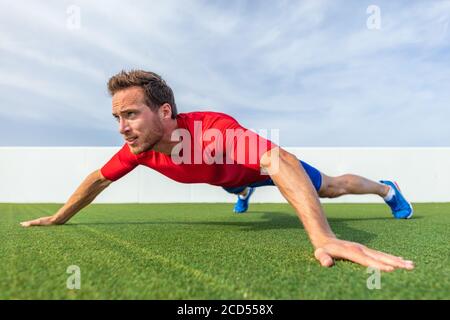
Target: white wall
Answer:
[[49, 174]]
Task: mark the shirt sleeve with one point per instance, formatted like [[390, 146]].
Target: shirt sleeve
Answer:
[[242, 146], [120, 164]]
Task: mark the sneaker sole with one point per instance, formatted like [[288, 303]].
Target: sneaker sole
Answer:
[[409, 203]]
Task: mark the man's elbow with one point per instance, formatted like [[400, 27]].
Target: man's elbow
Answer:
[[98, 177], [272, 159]]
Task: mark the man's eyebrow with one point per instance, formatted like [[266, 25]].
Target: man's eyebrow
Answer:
[[125, 110]]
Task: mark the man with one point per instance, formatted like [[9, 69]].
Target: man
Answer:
[[158, 137]]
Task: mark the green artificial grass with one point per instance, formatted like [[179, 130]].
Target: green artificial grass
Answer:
[[205, 251]]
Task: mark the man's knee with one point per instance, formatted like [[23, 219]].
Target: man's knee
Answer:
[[333, 187]]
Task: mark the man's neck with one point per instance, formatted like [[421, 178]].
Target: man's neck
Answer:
[[165, 145]]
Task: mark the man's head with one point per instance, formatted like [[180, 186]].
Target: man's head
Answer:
[[143, 104]]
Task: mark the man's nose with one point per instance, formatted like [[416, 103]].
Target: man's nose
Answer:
[[123, 126]]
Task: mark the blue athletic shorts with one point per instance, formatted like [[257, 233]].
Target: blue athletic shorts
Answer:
[[313, 173]]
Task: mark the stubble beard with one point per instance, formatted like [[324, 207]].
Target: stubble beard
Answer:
[[145, 146]]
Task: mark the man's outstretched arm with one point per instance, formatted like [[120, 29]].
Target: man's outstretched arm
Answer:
[[89, 189], [294, 184]]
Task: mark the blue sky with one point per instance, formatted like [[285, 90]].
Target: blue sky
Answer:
[[312, 69]]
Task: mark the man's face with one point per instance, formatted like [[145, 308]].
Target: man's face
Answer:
[[141, 127]]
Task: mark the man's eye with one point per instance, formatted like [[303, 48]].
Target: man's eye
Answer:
[[130, 114]]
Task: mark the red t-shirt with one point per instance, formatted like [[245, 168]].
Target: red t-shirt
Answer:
[[215, 149]]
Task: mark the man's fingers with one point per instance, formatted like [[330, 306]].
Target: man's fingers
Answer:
[[394, 261], [30, 223], [324, 258], [357, 254], [339, 249], [365, 260]]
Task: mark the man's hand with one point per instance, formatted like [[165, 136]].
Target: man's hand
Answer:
[[85, 194], [340, 249], [44, 221]]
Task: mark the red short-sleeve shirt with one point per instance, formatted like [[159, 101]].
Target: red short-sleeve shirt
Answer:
[[216, 150]]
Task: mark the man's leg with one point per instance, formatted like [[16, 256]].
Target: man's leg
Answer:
[[244, 192], [243, 197], [333, 187]]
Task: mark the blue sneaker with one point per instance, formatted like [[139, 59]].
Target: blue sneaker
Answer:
[[242, 204], [401, 208]]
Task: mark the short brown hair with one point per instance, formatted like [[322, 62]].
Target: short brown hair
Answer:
[[156, 90]]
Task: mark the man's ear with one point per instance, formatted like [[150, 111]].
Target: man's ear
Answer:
[[165, 111]]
